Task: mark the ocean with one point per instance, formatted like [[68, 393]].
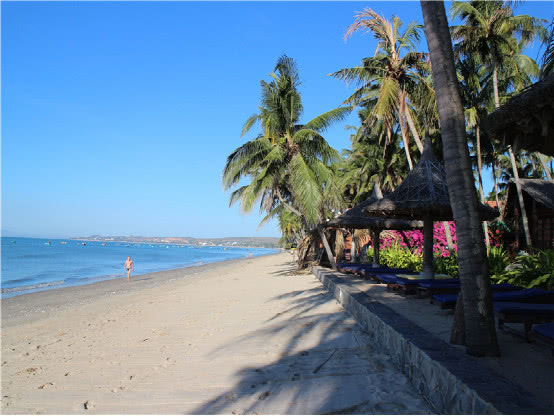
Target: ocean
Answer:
[[36, 264]]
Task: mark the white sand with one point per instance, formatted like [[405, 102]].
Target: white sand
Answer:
[[242, 337]]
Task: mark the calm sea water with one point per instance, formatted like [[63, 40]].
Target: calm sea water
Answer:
[[32, 264]]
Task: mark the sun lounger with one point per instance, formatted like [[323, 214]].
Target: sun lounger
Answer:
[[545, 333], [526, 313], [443, 287], [523, 296]]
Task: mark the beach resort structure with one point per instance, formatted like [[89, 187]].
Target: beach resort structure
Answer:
[[538, 196]]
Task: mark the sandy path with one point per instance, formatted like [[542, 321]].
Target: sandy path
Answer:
[[246, 338]]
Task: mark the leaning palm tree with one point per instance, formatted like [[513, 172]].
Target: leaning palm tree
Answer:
[[489, 30], [388, 77], [288, 163]]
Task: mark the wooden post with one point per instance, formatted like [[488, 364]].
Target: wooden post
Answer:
[[516, 220], [353, 249], [376, 235], [327, 248], [427, 272], [534, 222]]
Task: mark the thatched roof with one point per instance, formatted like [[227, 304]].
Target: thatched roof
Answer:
[[357, 218], [527, 121], [540, 190], [423, 192]]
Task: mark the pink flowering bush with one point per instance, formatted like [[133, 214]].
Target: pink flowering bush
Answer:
[[413, 240]]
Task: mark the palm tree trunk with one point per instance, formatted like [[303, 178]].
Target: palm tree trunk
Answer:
[[520, 199], [495, 180], [544, 165], [512, 157], [448, 234], [327, 248], [406, 146], [480, 178], [413, 129], [474, 274]]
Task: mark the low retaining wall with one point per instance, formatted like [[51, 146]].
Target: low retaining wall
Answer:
[[452, 381]]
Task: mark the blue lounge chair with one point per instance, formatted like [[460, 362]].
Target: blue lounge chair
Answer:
[[443, 287], [526, 313], [524, 296], [409, 286], [545, 333]]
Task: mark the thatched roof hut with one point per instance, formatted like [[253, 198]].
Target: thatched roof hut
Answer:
[[527, 120], [538, 197], [357, 218], [423, 194]]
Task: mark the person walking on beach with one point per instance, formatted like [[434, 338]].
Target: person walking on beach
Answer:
[[129, 265]]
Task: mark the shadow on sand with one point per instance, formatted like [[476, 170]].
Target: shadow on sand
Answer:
[[323, 365]]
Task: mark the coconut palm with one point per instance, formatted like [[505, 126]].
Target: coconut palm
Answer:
[[547, 66], [489, 30], [390, 76], [288, 164], [474, 318], [474, 88]]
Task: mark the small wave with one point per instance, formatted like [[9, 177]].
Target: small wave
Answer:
[[30, 287]]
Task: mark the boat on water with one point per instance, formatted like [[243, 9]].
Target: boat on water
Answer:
[[63, 242]]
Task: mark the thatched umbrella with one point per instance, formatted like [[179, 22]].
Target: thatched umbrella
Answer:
[[423, 195], [357, 219]]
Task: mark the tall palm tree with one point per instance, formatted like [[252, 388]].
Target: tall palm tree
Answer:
[[388, 77], [489, 31], [475, 301], [288, 163], [474, 90]]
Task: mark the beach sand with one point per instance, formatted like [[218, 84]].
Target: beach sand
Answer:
[[238, 337]]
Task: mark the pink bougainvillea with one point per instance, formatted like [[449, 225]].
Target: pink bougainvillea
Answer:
[[414, 240]]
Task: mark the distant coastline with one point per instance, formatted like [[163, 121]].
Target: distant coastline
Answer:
[[244, 242]]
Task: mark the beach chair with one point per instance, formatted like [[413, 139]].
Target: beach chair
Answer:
[[442, 287], [526, 313], [373, 272], [545, 333], [522, 296], [411, 286]]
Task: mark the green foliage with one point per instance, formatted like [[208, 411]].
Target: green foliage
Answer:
[[401, 257], [535, 270], [498, 261], [447, 265]]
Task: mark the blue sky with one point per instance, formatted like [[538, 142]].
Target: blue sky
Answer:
[[117, 117]]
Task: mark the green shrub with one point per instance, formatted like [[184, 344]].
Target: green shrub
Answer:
[[447, 265], [370, 254], [536, 270], [400, 257], [498, 260]]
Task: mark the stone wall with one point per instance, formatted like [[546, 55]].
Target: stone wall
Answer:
[[452, 381]]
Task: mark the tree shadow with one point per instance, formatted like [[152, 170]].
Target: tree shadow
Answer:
[[324, 365]]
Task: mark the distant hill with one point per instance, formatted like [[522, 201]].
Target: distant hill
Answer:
[[267, 242]]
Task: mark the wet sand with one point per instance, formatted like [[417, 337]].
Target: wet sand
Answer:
[[238, 337]]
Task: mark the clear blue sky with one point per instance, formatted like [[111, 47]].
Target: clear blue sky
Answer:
[[117, 117]]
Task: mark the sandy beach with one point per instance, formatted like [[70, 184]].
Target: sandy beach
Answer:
[[238, 337]]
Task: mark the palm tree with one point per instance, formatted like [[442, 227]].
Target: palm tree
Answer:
[[288, 164], [474, 90], [489, 31], [388, 77], [475, 301]]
